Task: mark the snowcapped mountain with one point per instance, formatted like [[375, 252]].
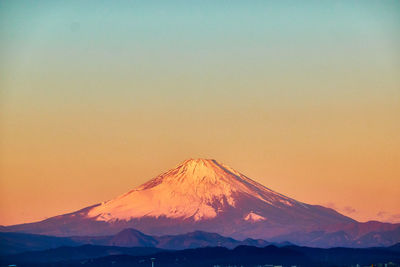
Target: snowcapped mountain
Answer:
[[205, 195], [198, 189]]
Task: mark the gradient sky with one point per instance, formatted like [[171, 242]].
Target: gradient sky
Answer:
[[96, 97]]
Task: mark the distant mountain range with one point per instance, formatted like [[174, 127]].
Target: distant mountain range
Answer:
[[91, 255], [132, 237], [13, 243], [206, 195]]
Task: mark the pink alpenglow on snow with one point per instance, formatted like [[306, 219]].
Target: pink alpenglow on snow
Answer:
[[194, 189]]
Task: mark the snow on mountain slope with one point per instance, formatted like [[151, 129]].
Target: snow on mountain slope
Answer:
[[254, 217], [198, 189]]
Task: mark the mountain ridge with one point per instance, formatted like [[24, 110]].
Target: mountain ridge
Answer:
[[90, 255], [14, 242]]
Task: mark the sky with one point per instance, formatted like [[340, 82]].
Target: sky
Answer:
[[97, 97]]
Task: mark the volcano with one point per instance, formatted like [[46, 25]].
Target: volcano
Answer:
[[207, 195], [201, 190]]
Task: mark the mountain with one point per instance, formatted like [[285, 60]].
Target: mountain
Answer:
[[211, 256], [134, 238], [74, 253], [199, 239], [395, 247], [206, 195], [12, 243]]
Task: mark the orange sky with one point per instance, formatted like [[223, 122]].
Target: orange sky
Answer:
[[96, 102]]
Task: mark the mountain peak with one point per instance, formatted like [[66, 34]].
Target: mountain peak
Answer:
[[198, 161], [193, 165], [202, 170]]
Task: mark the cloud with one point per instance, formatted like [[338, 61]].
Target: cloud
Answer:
[[394, 218], [381, 214], [349, 210], [388, 217], [346, 209]]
